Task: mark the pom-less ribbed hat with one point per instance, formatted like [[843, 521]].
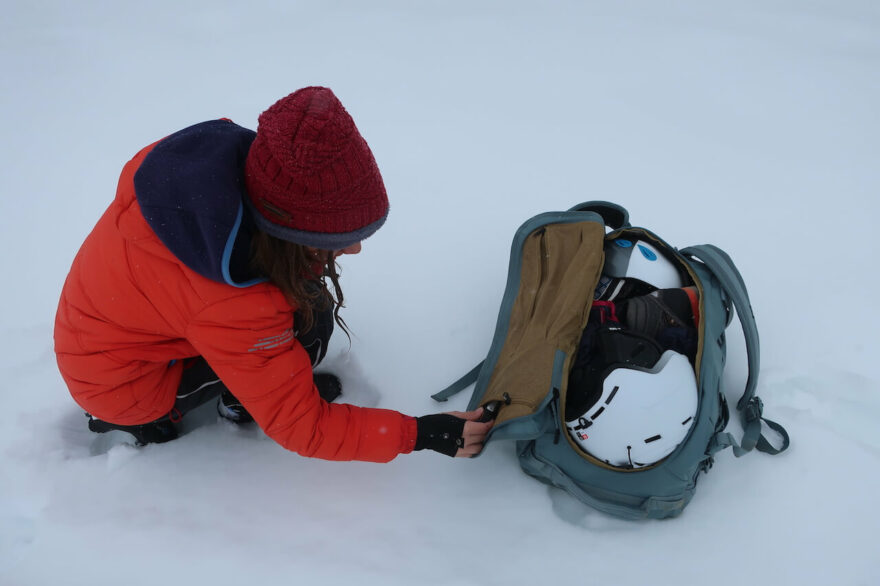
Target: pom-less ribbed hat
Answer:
[[311, 177]]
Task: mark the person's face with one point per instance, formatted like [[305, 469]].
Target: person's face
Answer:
[[353, 249]]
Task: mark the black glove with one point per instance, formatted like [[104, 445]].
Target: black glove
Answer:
[[441, 433], [329, 386]]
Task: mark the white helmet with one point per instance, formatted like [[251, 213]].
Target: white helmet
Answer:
[[642, 414], [625, 259]]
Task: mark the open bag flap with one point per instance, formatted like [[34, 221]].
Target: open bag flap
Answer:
[[555, 267]]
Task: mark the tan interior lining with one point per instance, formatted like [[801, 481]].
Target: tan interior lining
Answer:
[[561, 264]]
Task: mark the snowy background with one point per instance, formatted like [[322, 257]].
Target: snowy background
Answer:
[[753, 125]]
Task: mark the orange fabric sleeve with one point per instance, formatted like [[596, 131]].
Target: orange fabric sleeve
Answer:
[[248, 341]]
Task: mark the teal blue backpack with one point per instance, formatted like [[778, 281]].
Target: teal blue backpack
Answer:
[[556, 265]]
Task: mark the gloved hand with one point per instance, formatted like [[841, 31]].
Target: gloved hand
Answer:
[[455, 434]]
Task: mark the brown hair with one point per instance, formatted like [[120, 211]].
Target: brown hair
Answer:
[[301, 273]]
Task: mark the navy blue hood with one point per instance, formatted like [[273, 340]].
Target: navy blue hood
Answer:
[[190, 188]]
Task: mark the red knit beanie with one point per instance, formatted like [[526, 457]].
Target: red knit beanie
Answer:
[[311, 176]]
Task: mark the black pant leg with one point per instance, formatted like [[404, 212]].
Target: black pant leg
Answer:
[[198, 385]]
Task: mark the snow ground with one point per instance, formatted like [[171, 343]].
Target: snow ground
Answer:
[[752, 125]]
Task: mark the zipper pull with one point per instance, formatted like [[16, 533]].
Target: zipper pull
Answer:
[[490, 411]]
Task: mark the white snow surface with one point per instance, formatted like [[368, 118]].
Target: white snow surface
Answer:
[[752, 125]]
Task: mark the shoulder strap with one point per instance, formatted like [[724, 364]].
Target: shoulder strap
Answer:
[[721, 265], [749, 405]]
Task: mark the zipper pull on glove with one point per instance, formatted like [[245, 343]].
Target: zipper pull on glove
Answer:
[[442, 433]]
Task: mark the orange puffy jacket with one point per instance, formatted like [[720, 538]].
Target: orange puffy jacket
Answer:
[[162, 277]]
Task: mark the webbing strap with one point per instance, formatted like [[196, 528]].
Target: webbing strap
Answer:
[[749, 406], [459, 385], [752, 439], [762, 445]]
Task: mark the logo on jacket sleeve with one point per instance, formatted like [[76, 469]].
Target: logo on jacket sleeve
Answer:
[[271, 342]]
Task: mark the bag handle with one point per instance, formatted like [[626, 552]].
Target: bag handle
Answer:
[[614, 216], [750, 406]]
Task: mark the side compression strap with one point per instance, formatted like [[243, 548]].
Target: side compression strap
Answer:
[[752, 436], [459, 385]]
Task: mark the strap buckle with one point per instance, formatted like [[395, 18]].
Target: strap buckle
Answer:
[[754, 409]]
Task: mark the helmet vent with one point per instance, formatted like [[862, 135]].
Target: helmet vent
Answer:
[[611, 396]]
